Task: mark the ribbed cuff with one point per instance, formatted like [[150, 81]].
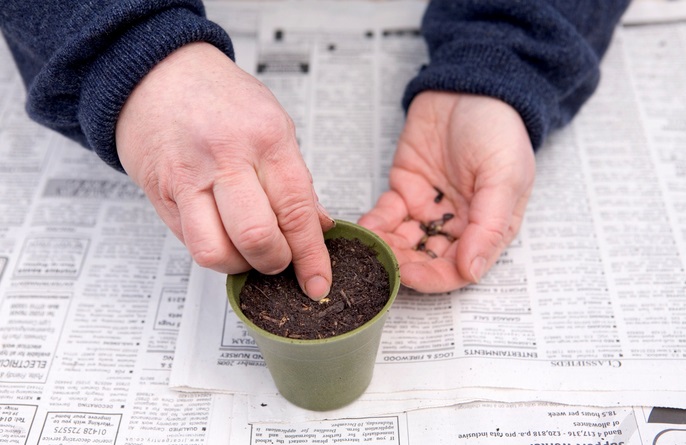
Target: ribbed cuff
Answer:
[[123, 64], [489, 71]]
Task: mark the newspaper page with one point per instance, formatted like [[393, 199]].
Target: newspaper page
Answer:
[[479, 423], [92, 289], [91, 295], [585, 307]]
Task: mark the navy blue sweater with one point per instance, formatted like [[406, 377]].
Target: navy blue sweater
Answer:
[[80, 59], [540, 56]]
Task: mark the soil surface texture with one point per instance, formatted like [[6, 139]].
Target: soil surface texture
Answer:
[[359, 290]]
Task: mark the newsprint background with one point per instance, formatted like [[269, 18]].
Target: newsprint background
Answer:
[[109, 334]]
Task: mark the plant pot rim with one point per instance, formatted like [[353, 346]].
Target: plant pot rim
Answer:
[[367, 237]]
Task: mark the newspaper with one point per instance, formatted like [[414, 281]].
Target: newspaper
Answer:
[[589, 297], [92, 289], [96, 294], [91, 296], [488, 423], [585, 308]]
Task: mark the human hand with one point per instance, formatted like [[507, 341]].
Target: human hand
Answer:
[[217, 156], [472, 152]]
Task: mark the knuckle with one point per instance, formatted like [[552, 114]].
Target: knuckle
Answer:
[[294, 221], [276, 117], [151, 183], [312, 258], [204, 257], [170, 180], [493, 237], [157, 191], [150, 179], [208, 259], [220, 257], [274, 126], [294, 214], [497, 238], [256, 240]]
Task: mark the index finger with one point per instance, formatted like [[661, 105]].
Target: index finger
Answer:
[[290, 191]]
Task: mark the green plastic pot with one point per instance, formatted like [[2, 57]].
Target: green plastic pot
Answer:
[[328, 373]]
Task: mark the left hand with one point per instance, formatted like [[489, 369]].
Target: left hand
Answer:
[[475, 153]]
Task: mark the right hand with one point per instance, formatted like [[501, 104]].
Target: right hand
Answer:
[[217, 156]]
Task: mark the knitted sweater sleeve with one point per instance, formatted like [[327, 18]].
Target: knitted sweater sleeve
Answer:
[[80, 60], [540, 56]]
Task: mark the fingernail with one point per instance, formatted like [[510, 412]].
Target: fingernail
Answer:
[[330, 222], [317, 287], [477, 268]]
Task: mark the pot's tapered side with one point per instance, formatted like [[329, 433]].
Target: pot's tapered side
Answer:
[[329, 373]]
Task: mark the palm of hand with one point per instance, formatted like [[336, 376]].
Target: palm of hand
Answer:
[[463, 163]]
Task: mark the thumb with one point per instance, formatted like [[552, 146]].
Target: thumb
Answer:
[[494, 220]]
